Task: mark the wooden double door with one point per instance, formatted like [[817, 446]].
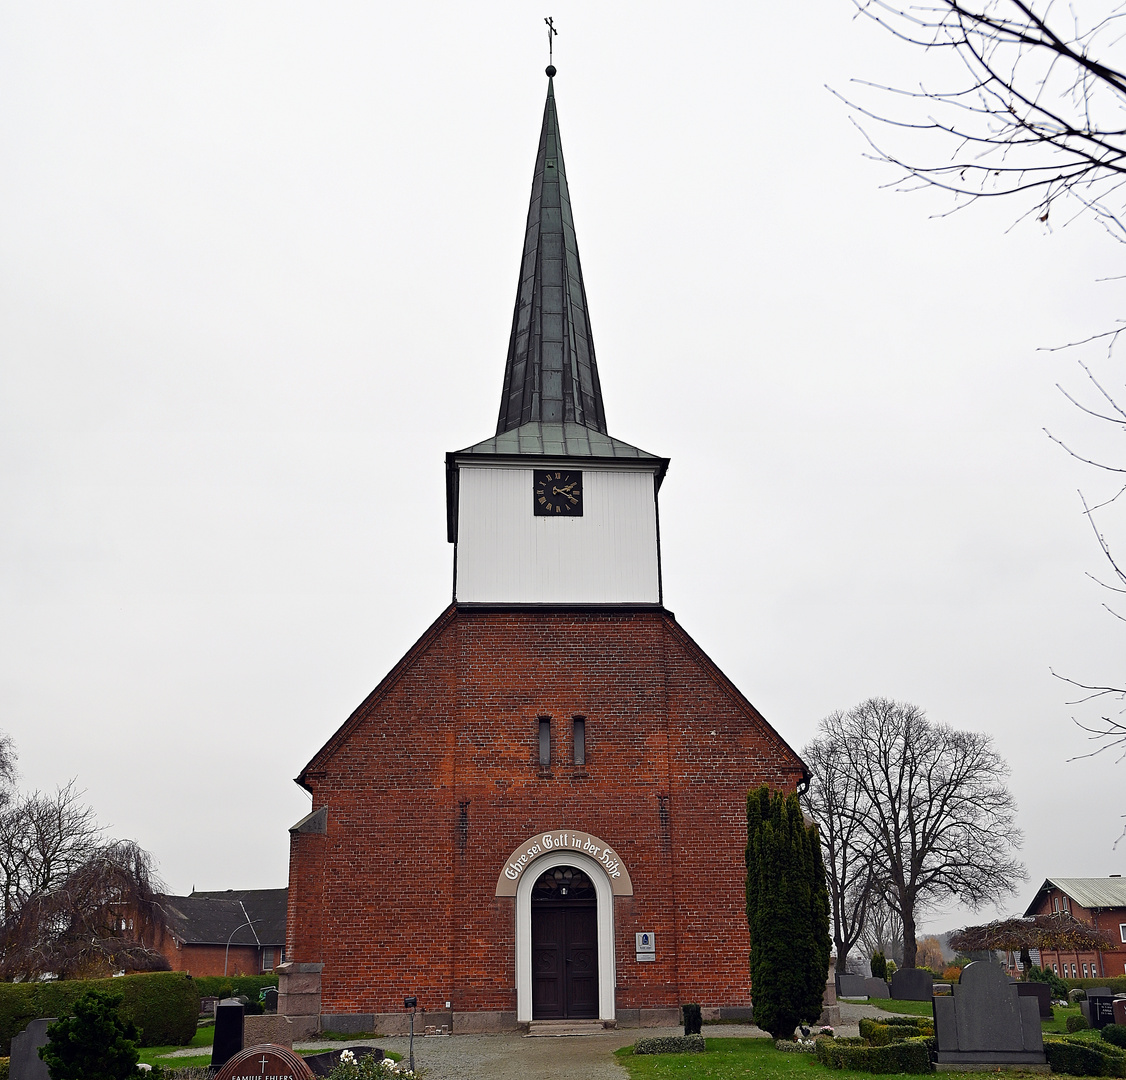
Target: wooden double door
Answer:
[[564, 959]]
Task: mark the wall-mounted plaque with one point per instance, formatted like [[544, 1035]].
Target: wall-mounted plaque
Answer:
[[646, 941]]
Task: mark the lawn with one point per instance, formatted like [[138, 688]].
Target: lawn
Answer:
[[912, 1008], [740, 1059]]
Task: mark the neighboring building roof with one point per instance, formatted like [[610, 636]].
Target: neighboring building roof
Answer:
[[1088, 892], [550, 373], [216, 918]]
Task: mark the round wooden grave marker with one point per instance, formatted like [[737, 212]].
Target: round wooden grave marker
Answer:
[[266, 1062]]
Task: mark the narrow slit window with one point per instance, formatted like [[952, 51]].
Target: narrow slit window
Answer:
[[545, 742], [580, 740]]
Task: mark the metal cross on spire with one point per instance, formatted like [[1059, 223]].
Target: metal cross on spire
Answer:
[[551, 32]]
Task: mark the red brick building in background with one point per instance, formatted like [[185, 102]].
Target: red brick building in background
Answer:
[[539, 814], [1099, 902], [233, 932]]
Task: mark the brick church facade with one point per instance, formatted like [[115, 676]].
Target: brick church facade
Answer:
[[539, 813]]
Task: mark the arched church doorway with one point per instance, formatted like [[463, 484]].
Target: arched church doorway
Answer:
[[564, 920]]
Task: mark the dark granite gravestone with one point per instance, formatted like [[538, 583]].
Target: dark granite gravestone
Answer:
[[276, 1062], [851, 985], [1042, 992], [25, 1062], [228, 1032], [912, 984], [1100, 1007], [986, 1022], [270, 999], [876, 988]]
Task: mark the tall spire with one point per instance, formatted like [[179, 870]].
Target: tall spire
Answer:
[[550, 374]]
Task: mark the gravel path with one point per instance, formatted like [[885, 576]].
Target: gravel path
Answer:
[[517, 1057]]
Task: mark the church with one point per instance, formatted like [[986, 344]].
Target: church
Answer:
[[539, 814]]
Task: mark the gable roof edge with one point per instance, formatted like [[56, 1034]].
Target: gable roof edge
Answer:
[[713, 669], [329, 748]]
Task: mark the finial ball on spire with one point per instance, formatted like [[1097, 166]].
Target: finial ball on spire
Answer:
[[550, 71]]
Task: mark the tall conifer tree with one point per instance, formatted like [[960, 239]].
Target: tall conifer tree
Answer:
[[787, 913]]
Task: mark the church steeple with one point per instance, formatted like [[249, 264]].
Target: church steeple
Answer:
[[550, 374]]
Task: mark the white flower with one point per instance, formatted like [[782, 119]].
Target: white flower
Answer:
[[347, 1057]]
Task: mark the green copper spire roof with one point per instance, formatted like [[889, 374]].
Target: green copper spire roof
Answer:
[[550, 375]]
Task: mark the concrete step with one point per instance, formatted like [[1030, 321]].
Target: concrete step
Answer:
[[557, 1028]]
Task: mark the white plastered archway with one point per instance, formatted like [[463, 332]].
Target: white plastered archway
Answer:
[[605, 897]]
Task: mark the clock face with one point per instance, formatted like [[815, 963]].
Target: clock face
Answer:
[[557, 493]]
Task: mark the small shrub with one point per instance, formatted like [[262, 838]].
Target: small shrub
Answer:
[[4, 1063], [671, 1044], [1084, 1057], [692, 1018], [952, 974], [802, 1046], [907, 1021], [892, 968], [94, 1043], [1077, 1023], [879, 965], [1115, 1034], [1046, 975], [367, 1067]]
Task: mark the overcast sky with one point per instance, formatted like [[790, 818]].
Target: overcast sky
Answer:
[[257, 270]]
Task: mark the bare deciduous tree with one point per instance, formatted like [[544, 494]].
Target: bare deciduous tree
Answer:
[[936, 816], [1036, 107], [71, 902], [43, 840], [1035, 104], [91, 923], [883, 929], [832, 801]]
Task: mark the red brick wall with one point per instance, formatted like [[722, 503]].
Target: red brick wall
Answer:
[[209, 959], [434, 780]]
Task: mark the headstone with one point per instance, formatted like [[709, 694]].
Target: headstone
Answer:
[[912, 984], [1100, 1007], [267, 1029], [228, 1032], [1119, 1011], [876, 988], [276, 1062], [830, 1010], [851, 986], [207, 1005], [323, 1064], [25, 1062], [270, 999], [987, 1022], [1042, 992]]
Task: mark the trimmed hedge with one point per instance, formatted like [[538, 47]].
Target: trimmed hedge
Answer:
[[163, 1004], [907, 1021], [879, 1033], [222, 986], [1115, 1034], [671, 1044], [1116, 984], [1084, 1057], [908, 1056], [1076, 1023]]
